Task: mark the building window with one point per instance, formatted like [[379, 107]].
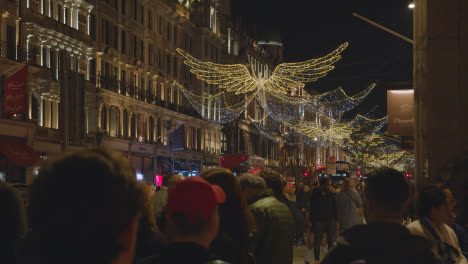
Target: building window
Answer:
[[159, 59], [115, 42], [114, 121], [224, 143], [123, 41], [150, 54], [125, 124], [160, 25], [142, 51], [135, 54], [176, 67], [175, 36], [168, 64], [104, 118], [150, 20], [135, 9], [132, 126], [123, 6], [168, 35], [142, 14]]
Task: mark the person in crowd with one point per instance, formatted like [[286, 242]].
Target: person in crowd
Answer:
[[273, 238], [323, 218], [434, 209], [275, 184], [349, 206], [303, 198], [461, 232], [383, 240], [149, 239], [291, 193], [192, 221], [12, 222], [159, 199], [236, 220], [297, 214], [96, 221]]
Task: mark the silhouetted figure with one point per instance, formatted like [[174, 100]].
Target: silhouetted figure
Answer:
[[236, 220], [85, 208], [12, 224], [384, 240]]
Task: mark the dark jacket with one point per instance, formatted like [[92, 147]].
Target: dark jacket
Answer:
[[303, 199], [183, 253], [274, 234], [322, 207], [381, 243], [149, 242]]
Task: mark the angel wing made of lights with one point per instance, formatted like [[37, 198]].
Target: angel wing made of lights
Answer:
[[286, 76]]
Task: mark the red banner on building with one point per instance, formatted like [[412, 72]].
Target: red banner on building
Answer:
[[14, 97]]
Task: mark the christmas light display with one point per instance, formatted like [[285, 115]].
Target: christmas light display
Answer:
[[314, 120]]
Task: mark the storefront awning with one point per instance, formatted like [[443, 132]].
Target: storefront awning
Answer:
[[18, 152]]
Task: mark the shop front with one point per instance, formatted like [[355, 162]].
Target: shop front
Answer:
[[18, 161]]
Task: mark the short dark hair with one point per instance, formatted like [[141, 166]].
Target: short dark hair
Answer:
[[12, 225], [273, 180], [387, 187], [83, 222], [431, 196], [323, 180]]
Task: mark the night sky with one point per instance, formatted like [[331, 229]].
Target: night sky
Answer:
[[311, 29]]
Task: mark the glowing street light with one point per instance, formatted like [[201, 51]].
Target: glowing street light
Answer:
[[411, 6]]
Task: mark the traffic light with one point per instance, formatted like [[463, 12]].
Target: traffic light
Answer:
[[359, 173], [407, 175], [320, 166], [306, 174]]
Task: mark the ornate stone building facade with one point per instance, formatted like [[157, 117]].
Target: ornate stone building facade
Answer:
[[124, 75]]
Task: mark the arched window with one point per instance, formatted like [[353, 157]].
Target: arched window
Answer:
[[141, 127], [114, 121], [132, 126], [125, 124], [151, 130], [224, 142], [103, 118]]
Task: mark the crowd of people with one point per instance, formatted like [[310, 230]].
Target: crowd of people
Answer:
[[88, 207]]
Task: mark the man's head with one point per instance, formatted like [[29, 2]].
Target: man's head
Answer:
[[170, 180], [273, 181], [325, 184], [95, 221], [386, 193], [251, 185], [435, 204], [192, 211]]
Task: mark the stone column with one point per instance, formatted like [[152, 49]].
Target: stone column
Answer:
[[3, 28], [55, 112], [440, 79], [47, 56]]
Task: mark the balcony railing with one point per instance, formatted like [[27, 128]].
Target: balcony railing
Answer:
[[131, 90], [18, 53]]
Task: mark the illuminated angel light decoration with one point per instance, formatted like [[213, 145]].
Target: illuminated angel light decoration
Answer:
[[314, 119]]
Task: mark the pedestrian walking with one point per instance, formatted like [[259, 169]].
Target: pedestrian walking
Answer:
[[236, 220], [273, 237], [434, 210], [349, 206], [323, 218], [383, 240]]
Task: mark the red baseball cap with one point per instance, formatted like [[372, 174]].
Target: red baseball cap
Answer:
[[193, 201]]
